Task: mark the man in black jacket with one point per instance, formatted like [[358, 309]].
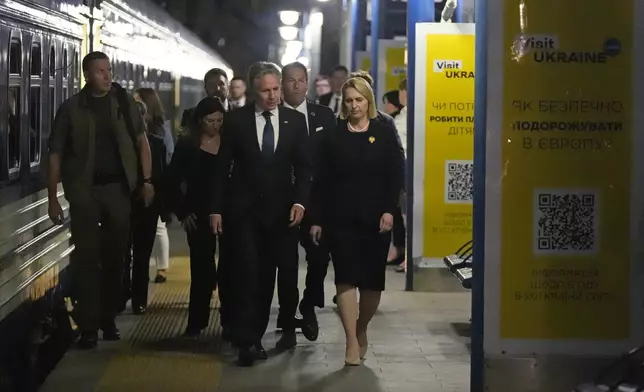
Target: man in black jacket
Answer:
[[262, 201], [318, 119], [333, 99], [215, 82]]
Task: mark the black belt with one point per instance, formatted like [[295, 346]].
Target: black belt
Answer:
[[103, 179]]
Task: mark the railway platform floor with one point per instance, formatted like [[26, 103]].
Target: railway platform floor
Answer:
[[419, 342]]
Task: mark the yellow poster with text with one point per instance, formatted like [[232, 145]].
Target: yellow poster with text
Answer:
[[365, 63], [449, 143], [396, 68], [566, 153]]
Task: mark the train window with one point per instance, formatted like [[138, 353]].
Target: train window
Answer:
[[52, 104], [36, 59], [76, 69], [65, 63], [52, 62], [15, 57], [13, 138], [34, 124]]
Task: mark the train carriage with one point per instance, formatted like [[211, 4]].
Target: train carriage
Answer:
[[41, 46]]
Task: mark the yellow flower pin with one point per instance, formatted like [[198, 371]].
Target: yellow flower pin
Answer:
[[372, 139]]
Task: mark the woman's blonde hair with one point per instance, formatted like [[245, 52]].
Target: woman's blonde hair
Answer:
[[365, 90]]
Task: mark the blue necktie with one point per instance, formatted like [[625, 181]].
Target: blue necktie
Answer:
[[268, 139]]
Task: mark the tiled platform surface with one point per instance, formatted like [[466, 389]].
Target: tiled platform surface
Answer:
[[418, 343]]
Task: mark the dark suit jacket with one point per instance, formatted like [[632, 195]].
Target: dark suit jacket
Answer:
[[257, 187], [356, 187], [325, 99], [321, 118]]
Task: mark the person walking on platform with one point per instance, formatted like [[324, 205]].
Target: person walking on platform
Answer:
[[99, 149], [333, 99], [381, 117], [266, 194], [160, 127], [318, 119], [355, 193], [195, 161], [215, 83], [144, 221]]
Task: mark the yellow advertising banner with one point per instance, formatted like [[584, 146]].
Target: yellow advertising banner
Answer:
[[566, 153], [449, 143], [365, 63], [396, 68]]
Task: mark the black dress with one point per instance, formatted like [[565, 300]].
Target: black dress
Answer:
[[189, 183], [358, 178]]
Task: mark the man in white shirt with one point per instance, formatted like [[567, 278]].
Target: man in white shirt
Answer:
[[319, 118], [334, 99], [237, 93], [262, 200]]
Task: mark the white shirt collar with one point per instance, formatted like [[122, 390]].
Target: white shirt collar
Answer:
[[300, 108], [259, 111]]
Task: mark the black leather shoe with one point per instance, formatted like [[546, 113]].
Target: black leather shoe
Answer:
[[246, 357], [309, 324], [139, 309], [192, 331], [260, 353], [287, 341], [88, 340], [111, 334]]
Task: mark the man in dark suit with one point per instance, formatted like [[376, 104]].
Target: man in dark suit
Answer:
[[333, 99], [215, 82], [318, 119], [266, 194]]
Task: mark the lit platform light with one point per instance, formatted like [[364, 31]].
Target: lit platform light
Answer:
[[289, 18], [288, 33]]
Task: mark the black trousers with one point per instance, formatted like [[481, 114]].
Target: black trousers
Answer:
[[399, 233], [259, 250], [203, 273], [224, 281], [317, 265], [144, 227], [100, 222]]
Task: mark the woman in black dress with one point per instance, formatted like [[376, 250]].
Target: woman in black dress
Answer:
[[359, 175], [189, 180]]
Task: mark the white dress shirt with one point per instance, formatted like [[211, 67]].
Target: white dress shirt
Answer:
[[241, 102], [302, 108], [332, 103], [260, 122]]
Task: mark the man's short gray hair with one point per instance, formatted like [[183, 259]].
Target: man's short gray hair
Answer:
[[262, 68]]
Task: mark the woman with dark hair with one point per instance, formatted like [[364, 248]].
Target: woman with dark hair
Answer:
[[155, 120], [391, 100], [144, 221], [155, 117], [189, 179]]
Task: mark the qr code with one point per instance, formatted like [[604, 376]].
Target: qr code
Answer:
[[565, 221], [459, 185]]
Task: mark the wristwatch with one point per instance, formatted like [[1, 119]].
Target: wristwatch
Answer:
[[147, 181]]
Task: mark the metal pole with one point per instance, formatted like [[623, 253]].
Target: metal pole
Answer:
[[458, 12], [356, 30], [418, 11], [477, 373], [375, 36], [90, 45]]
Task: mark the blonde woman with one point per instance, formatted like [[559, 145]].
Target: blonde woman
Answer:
[[355, 194]]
